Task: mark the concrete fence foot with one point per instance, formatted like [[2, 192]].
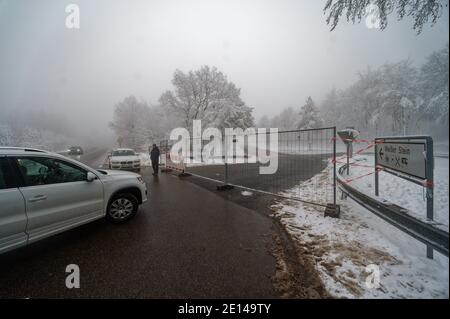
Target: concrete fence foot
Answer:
[[333, 211], [225, 187]]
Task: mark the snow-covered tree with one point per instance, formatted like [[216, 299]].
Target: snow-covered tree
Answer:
[[309, 116], [40, 128], [397, 91], [382, 101], [330, 108], [286, 120], [131, 123], [264, 122], [231, 115], [207, 95], [138, 125], [434, 87]]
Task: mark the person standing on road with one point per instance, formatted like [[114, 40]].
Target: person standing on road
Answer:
[[154, 157]]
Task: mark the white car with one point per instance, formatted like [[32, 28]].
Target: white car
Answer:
[[42, 194], [124, 158]]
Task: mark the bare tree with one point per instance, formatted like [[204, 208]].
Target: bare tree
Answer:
[[421, 11]]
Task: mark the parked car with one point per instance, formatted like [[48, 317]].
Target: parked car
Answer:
[[124, 158], [75, 150], [42, 194]]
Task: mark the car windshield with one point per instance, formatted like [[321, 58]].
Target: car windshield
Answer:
[[123, 153]]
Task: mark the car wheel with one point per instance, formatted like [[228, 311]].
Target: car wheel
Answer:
[[122, 208]]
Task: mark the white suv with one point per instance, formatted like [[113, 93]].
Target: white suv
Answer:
[[42, 194]]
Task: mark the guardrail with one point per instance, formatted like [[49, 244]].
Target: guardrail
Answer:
[[426, 233]]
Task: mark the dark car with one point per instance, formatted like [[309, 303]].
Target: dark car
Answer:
[[75, 150]]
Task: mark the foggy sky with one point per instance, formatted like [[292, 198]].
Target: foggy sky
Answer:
[[278, 52]]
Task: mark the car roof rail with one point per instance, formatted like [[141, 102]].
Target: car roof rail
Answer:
[[25, 149]]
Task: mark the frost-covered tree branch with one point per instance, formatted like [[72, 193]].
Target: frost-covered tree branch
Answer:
[[421, 11]]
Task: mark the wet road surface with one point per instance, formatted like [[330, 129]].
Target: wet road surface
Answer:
[[185, 242]]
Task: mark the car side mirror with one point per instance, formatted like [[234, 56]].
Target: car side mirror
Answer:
[[91, 177]]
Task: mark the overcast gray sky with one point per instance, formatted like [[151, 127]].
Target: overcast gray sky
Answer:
[[277, 51]]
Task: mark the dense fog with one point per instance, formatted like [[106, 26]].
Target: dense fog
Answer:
[[125, 71]]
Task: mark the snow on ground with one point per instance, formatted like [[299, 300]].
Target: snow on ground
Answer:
[[404, 193], [441, 148], [342, 249], [30, 137]]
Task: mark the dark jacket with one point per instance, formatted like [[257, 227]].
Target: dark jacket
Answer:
[[154, 154]]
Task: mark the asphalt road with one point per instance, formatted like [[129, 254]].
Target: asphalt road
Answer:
[[94, 157], [290, 171], [185, 242]]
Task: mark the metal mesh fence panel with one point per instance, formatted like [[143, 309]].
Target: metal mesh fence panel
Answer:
[[305, 163]]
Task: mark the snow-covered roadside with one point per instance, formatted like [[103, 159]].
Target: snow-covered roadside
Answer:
[[30, 137], [342, 248], [404, 193]]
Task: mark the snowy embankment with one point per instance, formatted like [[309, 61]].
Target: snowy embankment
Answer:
[[33, 138], [342, 249], [401, 192]]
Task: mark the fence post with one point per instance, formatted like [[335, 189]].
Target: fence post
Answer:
[[430, 179], [225, 186], [377, 189], [226, 173], [334, 166], [430, 186], [333, 210]]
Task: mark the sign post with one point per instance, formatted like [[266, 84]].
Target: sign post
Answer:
[[410, 158], [348, 135]]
